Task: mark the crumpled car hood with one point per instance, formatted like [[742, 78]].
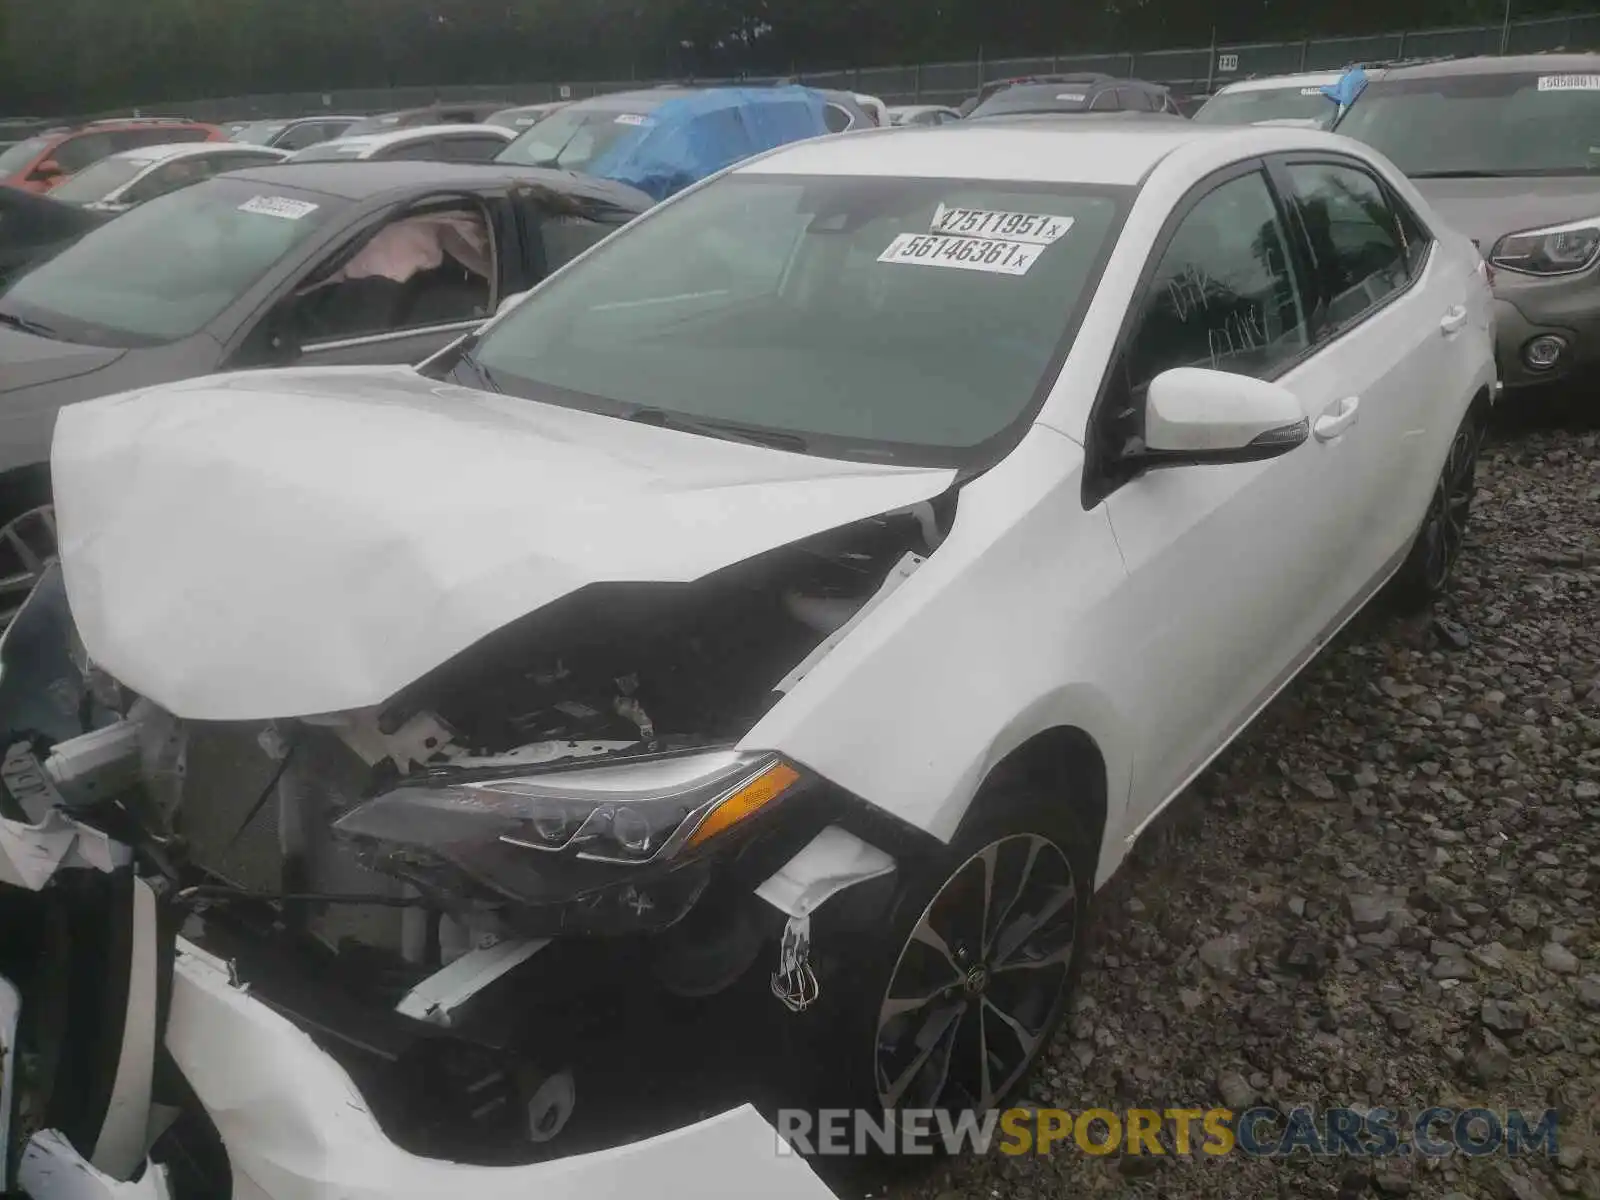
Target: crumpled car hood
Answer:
[[285, 543]]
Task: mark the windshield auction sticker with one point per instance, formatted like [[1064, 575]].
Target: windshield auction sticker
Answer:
[[1569, 83], [278, 206], [1033, 228], [994, 255]]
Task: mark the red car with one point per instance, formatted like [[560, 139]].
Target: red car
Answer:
[[43, 161]]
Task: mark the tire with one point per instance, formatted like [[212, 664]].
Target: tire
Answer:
[[1425, 574], [998, 984]]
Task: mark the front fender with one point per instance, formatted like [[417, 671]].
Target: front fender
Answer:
[[1005, 632]]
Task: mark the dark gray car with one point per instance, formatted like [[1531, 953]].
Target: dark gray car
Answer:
[[292, 133], [1507, 150], [320, 264]]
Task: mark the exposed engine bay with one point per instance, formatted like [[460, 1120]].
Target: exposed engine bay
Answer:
[[481, 894]]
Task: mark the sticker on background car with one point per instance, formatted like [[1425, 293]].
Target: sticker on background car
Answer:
[[1569, 83], [278, 206]]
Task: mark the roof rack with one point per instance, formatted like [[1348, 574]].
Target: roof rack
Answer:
[[1389, 64]]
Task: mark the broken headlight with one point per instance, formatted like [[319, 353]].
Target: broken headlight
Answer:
[[610, 848], [622, 814]]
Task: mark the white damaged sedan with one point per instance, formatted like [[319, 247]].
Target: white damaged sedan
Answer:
[[773, 627]]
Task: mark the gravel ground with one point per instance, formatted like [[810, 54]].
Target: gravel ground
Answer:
[[1385, 895]]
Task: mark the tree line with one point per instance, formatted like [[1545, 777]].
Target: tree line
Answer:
[[69, 56]]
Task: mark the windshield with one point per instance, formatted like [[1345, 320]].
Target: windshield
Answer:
[[20, 155], [823, 309], [1267, 104], [163, 270], [1036, 98], [1509, 124], [570, 138], [260, 133], [99, 180]]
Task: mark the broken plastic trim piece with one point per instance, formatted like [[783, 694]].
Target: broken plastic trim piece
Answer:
[[828, 864], [10, 1015], [30, 855], [52, 1170], [902, 571], [437, 998], [121, 1145]]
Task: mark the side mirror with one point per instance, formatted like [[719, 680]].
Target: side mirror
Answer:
[[1194, 415], [47, 170], [509, 302]]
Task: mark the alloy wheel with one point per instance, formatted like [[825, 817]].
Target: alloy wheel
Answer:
[[1444, 530], [979, 981], [27, 547]]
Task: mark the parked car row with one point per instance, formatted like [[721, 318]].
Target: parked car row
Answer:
[[1499, 144]]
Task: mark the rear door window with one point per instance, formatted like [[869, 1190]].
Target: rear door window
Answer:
[[476, 148], [76, 153], [422, 150], [308, 133]]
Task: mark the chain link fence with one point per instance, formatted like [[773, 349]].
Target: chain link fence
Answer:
[[1190, 71]]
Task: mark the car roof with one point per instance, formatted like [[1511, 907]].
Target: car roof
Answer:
[[1272, 83], [172, 150], [475, 105], [359, 181], [1043, 149], [636, 101], [367, 142], [541, 106], [1512, 64], [118, 124], [414, 133]]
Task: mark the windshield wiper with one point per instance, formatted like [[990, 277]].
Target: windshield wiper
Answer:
[[1469, 174], [465, 357], [27, 326], [728, 431]]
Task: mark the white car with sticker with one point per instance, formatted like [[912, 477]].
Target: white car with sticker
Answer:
[[751, 608], [1277, 99]]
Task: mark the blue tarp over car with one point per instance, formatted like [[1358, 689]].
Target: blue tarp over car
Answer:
[[689, 138]]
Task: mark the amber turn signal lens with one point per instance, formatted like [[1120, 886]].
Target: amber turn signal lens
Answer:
[[751, 798]]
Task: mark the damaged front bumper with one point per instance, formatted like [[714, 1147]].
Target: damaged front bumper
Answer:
[[296, 1128], [291, 1120]]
